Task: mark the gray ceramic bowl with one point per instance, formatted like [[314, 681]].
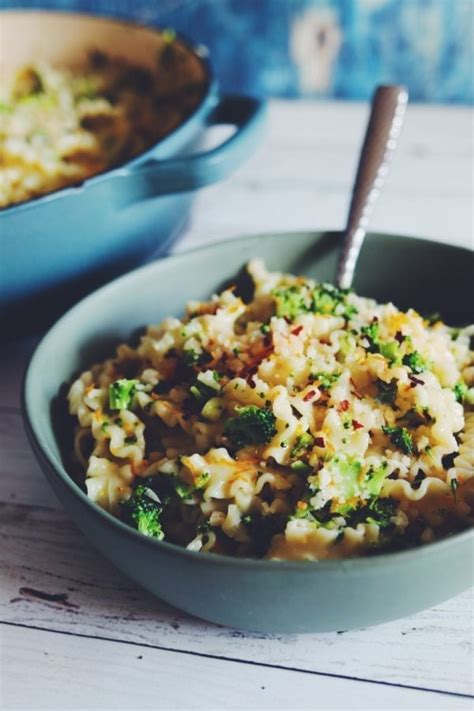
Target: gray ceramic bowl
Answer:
[[251, 594]]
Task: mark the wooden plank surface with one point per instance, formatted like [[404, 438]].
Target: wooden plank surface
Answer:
[[168, 681], [69, 611], [301, 177]]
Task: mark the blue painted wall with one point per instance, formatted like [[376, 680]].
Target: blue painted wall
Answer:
[[328, 48]]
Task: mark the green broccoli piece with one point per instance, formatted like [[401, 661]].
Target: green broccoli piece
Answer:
[[291, 301], [346, 471], [328, 299], [460, 391], [294, 300], [303, 442], [381, 511], [252, 425], [371, 333], [401, 438], [325, 380], [391, 351], [415, 362], [183, 491], [378, 510], [121, 393], [387, 392], [143, 511], [375, 479]]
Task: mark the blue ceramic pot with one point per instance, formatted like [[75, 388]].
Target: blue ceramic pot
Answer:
[[57, 247]]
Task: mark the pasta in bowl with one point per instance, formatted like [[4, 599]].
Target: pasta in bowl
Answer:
[[305, 423]]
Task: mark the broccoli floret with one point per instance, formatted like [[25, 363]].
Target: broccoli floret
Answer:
[[303, 442], [182, 490], [143, 511], [371, 332], [291, 301], [328, 299], [378, 510], [387, 392], [201, 480], [460, 391], [294, 300], [415, 362], [121, 393], [346, 472], [381, 511], [401, 438], [251, 425], [389, 349], [375, 478], [325, 380]]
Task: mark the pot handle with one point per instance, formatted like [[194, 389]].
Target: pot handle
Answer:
[[173, 175]]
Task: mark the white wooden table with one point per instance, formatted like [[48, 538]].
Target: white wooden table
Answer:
[[76, 634]]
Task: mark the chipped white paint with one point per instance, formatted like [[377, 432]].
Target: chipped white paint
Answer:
[[298, 180]]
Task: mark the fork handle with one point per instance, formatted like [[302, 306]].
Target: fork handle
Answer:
[[385, 123]]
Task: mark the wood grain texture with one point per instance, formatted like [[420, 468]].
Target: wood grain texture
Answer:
[[301, 177], [168, 681], [50, 577]]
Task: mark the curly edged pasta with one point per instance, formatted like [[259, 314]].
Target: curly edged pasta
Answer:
[[307, 423], [59, 126]]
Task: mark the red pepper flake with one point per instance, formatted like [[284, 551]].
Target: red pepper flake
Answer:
[[296, 331], [415, 381], [354, 392], [344, 405], [249, 376], [309, 395], [356, 425], [319, 442]]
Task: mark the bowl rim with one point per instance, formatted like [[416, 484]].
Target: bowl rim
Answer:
[[357, 564], [206, 103]]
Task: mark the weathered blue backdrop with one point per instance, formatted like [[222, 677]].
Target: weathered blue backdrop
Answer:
[[336, 48]]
